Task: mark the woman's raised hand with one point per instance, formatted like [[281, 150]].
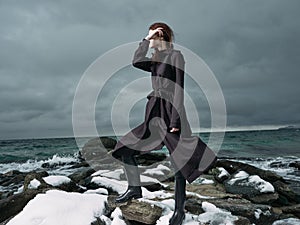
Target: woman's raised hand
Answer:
[[153, 32], [174, 130]]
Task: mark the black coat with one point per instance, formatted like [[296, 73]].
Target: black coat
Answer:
[[166, 101]]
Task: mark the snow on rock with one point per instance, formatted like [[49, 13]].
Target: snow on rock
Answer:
[[223, 173], [147, 179], [20, 190], [155, 194], [157, 170], [214, 215], [258, 212], [102, 191], [262, 185], [239, 176], [116, 185], [61, 208], [56, 180], [202, 180], [99, 172], [198, 195], [34, 184], [116, 215], [254, 181], [116, 174]]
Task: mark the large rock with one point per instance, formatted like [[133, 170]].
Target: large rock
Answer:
[[141, 212], [232, 167], [38, 176], [14, 204], [258, 214], [288, 196]]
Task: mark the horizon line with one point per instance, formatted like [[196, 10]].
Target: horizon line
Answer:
[[201, 130]]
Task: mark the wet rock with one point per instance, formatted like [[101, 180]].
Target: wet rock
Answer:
[[11, 178], [141, 212], [295, 164]]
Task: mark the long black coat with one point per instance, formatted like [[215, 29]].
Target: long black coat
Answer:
[[165, 110]]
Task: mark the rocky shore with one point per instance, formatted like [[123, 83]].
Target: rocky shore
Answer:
[[230, 193]]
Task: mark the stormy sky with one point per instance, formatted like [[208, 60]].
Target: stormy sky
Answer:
[[252, 47]]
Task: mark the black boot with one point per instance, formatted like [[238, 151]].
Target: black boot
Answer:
[[180, 195], [134, 189]]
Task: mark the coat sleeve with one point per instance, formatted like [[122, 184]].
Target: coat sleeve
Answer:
[[178, 100], [139, 59]]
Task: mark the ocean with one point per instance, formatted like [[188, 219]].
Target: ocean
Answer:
[[273, 150]]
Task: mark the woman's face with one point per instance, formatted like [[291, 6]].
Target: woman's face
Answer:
[[155, 41]]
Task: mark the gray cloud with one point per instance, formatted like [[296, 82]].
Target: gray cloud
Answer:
[[251, 46]]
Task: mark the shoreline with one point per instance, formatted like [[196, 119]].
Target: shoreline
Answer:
[[213, 193]]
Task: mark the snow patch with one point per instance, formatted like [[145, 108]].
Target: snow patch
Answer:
[[116, 185], [34, 184], [223, 172], [56, 180], [61, 208], [157, 170]]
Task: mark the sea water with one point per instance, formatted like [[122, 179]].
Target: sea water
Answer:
[[274, 150]]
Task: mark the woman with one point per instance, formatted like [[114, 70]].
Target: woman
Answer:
[[165, 121]]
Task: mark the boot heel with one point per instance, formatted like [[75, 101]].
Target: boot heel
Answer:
[[137, 196]]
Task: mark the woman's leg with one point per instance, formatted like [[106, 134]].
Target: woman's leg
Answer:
[[180, 196], [133, 177]]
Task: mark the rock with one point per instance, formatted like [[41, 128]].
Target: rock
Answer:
[[242, 221], [14, 204], [220, 174], [288, 197], [256, 213], [70, 187], [295, 210], [11, 178], [265, 198], [80, 164], [38, 176], [232, 167], [80, 175], [295, 164], [249, 186], [209, 190], [141, 212], [98, 221], [193, 206]]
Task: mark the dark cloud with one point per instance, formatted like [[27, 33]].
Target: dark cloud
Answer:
[[251, 46]]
